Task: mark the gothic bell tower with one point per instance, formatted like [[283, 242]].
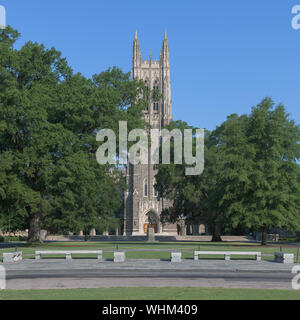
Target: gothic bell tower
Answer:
[[142, 204], [156, 75]]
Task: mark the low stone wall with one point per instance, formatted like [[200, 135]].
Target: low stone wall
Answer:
[[14, 234], [144, 238]]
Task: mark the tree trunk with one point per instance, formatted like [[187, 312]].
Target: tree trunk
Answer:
[[264, 236], [216, 233], [86, 237], [34, 235]]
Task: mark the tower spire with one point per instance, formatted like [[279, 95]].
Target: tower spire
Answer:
[[136, 54], [164, 55]]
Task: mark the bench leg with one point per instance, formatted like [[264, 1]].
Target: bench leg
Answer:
[[68, 256], [227, 257], [18, 257], [258, 257]]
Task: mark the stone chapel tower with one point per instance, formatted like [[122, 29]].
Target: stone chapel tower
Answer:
[[142, 204]]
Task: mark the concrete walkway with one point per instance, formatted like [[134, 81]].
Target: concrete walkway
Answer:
[[91, 273], [149, 264]]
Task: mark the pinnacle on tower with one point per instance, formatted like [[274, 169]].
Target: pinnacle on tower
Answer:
[[164, 55], [137, 56]]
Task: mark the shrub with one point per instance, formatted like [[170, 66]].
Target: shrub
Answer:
[[7, 239]]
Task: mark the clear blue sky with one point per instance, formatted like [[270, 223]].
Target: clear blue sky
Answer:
[[225, 55]]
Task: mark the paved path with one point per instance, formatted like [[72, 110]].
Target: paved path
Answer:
[[90, 273]]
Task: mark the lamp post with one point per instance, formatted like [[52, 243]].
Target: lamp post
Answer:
[[8, 229]]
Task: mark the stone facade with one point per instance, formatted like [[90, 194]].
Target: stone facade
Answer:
[[142, 205]]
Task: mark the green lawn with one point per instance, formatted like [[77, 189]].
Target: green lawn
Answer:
[[152, 293], [144, 249]]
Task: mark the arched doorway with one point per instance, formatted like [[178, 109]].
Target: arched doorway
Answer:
[[151, 220]]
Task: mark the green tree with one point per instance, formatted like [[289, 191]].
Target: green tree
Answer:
[[85, 196], [174, 185], [251, 178], [49, 118], [261, 176], [194, 198], [29, 80]]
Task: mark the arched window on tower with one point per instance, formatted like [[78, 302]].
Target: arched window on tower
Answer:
[[147, 92], [145, 187], [156, 96], [156, 85], [155, 193], [155, 106]]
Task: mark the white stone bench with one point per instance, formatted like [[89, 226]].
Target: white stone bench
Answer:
[[227, 254], [12, 256], [67, 253], [284, 257]]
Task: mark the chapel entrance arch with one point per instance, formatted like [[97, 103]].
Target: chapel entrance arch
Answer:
[[151, 219]]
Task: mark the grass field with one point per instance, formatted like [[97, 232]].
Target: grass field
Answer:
[[146, 293], [142, 250]]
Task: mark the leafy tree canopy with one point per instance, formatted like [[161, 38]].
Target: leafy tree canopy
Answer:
[[49, 117], [251, 177]]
